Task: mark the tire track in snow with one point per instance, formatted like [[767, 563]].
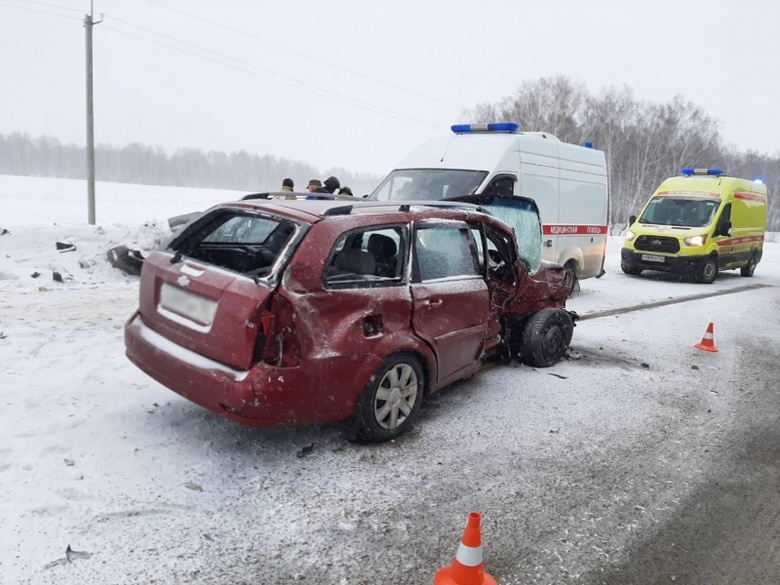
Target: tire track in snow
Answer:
[[653, 305]]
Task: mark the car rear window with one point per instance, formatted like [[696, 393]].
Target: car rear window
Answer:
[[242, 242]]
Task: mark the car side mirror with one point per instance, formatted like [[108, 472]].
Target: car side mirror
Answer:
[[631, 219]]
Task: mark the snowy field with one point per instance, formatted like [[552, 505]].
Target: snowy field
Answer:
[[573, 467]]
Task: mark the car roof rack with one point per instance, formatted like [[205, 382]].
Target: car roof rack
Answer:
[[405, 206], [360, 203]]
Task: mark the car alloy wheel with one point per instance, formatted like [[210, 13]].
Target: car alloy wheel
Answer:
[[396, 396], [391, 399]]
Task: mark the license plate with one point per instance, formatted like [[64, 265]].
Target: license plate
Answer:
[[653, 258], [180, 302]]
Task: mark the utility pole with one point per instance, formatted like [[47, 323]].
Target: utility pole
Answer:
[[88, 24]]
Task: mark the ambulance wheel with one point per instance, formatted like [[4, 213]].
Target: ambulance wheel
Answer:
[[570, 281], [708, 271], [546, 337], [391, 400], [630, 270], [749, 268]]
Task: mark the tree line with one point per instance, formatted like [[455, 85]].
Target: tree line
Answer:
[[44, 156], [644, 142]]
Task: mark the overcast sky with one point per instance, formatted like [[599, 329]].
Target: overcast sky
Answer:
[[358, 84]]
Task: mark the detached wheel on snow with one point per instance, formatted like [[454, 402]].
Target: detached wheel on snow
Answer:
[[391, 399], [546, 337]]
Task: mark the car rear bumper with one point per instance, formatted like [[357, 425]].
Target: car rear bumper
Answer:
[[676, 264], [265, 395]]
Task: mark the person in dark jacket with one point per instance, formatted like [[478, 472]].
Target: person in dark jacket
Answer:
[[315, 186], [332, 184]]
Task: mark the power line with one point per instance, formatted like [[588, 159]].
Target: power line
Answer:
[[39, 11], [306, 55], [58, 6], [285, 79]]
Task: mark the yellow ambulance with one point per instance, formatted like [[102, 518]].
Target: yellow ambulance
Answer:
[[698, 224]]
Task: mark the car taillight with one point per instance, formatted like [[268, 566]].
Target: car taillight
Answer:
[[280, 346]]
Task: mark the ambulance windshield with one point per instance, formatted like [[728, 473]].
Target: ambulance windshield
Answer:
[[682, 211], [428, 184]]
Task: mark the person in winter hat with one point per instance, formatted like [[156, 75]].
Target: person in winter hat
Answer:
[[332, 184], [288, 187], [314, 187]]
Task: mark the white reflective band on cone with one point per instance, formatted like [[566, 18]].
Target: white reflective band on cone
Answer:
[[468, 555]]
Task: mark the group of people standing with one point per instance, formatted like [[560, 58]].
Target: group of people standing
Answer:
[[317, 188]]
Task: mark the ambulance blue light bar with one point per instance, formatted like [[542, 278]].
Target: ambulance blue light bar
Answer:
[[508, 127], [716, 172]]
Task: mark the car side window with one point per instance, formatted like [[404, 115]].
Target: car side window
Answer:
[[373, 257], [445, 252], [725, 215]]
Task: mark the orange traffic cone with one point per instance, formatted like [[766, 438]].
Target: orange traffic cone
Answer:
[[467, 568], [708, 341]]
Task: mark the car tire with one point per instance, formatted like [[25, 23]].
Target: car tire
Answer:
[[749, 268], [546, 337], [391, 400], [630, 270], [708, 271]]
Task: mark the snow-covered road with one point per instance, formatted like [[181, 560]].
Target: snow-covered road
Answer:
[[643, 460]]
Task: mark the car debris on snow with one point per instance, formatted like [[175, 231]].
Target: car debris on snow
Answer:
[[56, 276], [558, 375], [305, 451], [35, 274], [70, 556], [127, 260], [3, 335], [193, 486], [69, 462], [65, 246]]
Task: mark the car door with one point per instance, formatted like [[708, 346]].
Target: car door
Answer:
[[450, 299]]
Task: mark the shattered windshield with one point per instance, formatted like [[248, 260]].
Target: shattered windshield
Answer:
[[523, 216], [428, 184], [682, 211]]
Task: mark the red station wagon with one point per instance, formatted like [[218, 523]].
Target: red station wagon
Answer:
[[276, 312]]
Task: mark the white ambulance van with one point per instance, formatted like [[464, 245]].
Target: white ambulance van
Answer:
[[478, 161]]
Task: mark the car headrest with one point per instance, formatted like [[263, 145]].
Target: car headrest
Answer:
[[381, 246], [356, 261]]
